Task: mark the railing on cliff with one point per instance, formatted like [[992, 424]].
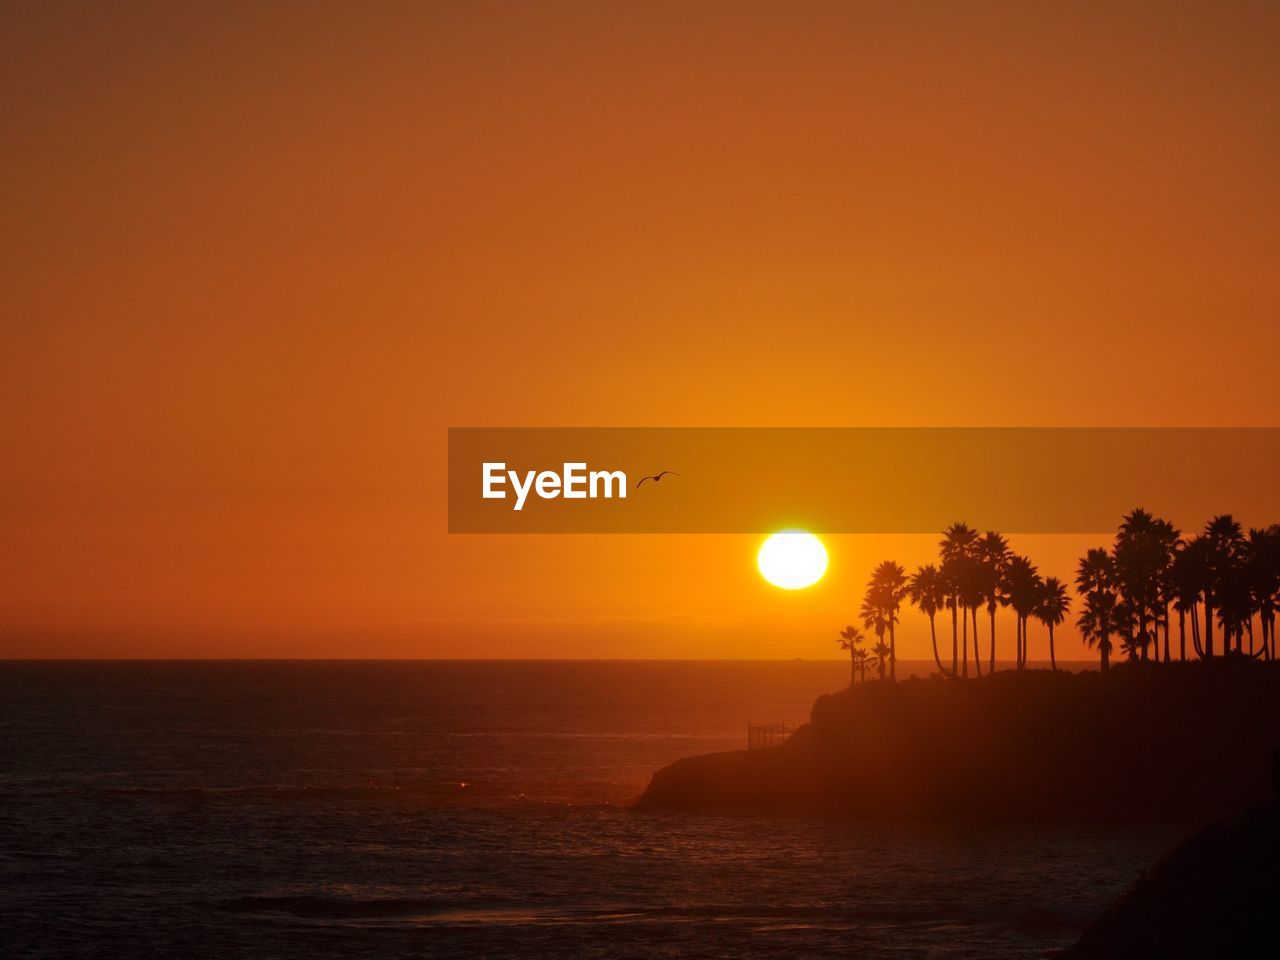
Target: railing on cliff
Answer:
[[760, 736]]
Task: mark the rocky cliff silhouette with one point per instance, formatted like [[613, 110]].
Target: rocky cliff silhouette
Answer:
[[1181, 742]]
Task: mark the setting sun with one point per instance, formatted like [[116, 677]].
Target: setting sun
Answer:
[[792, 559]]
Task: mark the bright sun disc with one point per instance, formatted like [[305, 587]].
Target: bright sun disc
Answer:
[[792, 559]]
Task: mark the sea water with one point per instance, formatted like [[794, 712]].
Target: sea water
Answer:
[[476, 809]]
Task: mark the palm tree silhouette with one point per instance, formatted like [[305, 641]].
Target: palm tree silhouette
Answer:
[[1224, 539], [972, 596], [860, 660], [956, 550], [1095, 580], [993, 556], [1051, 610], [873, 619], [1262, 574], [1129, 594], [1235, 607], [850, 637], [1133, 642], [1095, 623], [1187, 574], [882, 653], [886, 590], [1265, 561], [928, 591], [1134, 568], [1024, 588], [1167, 537]]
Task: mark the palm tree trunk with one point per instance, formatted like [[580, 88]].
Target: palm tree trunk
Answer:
[[1105, 646], [1195, 630], [893, 655], [955, 642], [977, 654], [993, 642], [1053, 658], [964, 646], [1182, 635], [1208, 627], [853, 667], [1165, 624], [933, 636]]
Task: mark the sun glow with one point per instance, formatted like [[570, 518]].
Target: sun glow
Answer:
[[792, 559]]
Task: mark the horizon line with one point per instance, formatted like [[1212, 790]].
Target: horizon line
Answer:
[[840, 660]]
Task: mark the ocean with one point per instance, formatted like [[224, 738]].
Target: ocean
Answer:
[[477, 809]]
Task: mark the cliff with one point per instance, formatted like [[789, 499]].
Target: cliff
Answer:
[[1179, 742]]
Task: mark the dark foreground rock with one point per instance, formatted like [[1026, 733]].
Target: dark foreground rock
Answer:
[[1178, 742], [1216, 896]]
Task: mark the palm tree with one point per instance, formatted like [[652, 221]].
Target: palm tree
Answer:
[[972, 596], [886, 590], [1267, 585], [928, 591], [873, 619], [1183, 587], [1167, 538], [1262, 571], [850, 637], [1189, 582], [1142, 554], [882, 653], [1095, 623], [1095, 578], [993, 555], [1235, 610], [956, 550], [1051, 610], [1224, 538], [1096, 571], [861, 658], [1124, 621], [1131, 591], [1023, 588]]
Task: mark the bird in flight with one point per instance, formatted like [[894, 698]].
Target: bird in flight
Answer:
[[657, 477]]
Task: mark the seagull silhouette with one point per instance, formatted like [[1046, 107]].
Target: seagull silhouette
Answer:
[[657, 477]]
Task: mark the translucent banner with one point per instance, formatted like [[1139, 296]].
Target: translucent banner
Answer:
[[853, 480]]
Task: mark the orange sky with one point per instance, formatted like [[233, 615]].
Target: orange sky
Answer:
[[257, 260]]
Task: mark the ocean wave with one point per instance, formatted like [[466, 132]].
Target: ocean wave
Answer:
[[333, 908], [449, 793], [448, 912]]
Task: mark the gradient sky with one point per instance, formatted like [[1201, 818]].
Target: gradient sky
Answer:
[[258, 258]]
